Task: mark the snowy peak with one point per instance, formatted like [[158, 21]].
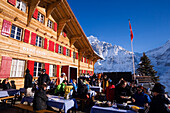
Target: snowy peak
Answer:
[[118, 59]]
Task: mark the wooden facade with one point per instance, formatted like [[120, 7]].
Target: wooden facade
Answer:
[[42, 34]]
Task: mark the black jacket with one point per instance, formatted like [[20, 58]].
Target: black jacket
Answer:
[[28, 81], [119, 91], [157, 104], [43, 78], [40, 99], [6, 86]]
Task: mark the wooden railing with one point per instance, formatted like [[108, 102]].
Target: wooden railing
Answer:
[[144, 79]]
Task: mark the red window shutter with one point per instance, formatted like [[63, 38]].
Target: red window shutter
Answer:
[[6, 26], [47, 68], [65, 35], [13, 2], [30, 66], [70, 52], [45, 43], [35, 14], [87, 61], [77, 55], [26, 36], [82, 59], [82, 71], [58, 70], [5, 67], [33, 38], [56, 48], [51, 45], [64, 50], [55, 26]]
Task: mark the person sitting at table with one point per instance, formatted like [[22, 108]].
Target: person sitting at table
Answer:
[[68, 91], [94, 82], [86, 82], [60, 89], [74, 83], [98, 83], [43, 78], [110, 91], [6, 84], [140, 98], [82, 90], [13, 86], [122, 92], [159, 100], [40, 98]]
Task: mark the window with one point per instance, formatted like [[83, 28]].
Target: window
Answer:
[[40, 17], [21, 5], [17, 68], [37, 68], [50, 24], [60, 49], [67, 52], [16, 32], [74, 55], [52, 71], [38, 41]]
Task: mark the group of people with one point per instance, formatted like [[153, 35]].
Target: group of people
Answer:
[[121, 92], [5, 84]]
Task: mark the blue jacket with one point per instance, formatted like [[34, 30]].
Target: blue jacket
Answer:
[[141, 99]]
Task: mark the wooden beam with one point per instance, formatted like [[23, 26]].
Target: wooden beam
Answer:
[[74, 39], [32, 5], [51, 7], [61, 24]]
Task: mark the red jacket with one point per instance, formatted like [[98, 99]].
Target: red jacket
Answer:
[[110, 93]]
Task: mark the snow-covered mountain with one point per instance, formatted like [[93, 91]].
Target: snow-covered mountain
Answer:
[[117, 59]]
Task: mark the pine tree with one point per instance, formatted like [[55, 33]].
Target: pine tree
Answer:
[[146, 69]]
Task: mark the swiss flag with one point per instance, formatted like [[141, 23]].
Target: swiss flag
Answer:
[[131, 33]]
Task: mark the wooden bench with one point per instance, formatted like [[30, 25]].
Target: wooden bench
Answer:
[[30, 108], [8, 98]]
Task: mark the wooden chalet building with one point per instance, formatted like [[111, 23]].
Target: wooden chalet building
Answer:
[[38, 34]]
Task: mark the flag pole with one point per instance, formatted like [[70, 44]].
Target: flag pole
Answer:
[[134, 76], [131, 33]]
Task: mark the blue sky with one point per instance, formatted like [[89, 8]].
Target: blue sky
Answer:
[[108, 20]]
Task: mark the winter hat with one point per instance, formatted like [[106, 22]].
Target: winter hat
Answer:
[[43, 70], [27, 71], [159, 88]]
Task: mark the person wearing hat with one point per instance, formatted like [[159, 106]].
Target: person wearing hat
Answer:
[[159, 100], [140, 98], [43, 78]]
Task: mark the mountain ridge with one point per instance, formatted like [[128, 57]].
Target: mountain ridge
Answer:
[[118, 59]]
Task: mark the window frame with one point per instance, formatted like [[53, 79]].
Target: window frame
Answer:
[[67, 52], [21, 5], [39, 19], [52, 24], [37, 71], [18, 69], [53, 71], [16, 31], [37, 43], [60, 47]]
